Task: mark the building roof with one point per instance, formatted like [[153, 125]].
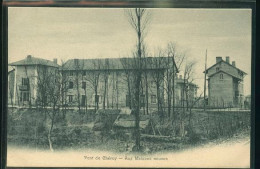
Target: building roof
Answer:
[[182, 81], [29, 60], [225, 73], [115, 63], [227, 64]]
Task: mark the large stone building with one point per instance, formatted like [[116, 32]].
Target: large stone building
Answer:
[[23, 79], [225, 84], [89, 83], [110, 82]]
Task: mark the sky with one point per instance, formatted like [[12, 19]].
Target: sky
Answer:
[[67, 33]]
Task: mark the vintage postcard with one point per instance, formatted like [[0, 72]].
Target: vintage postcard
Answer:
[[129, 87]]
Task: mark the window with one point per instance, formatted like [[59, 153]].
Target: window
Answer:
[[24, 96], [142, 100], [76, 62], [70, 98], [83, 100], [25, 81], [128, 101], [98, 99], [221, 76], [217, 69], [71, 85], [83, 73], [83, 85], [153, 99], [71, 73]]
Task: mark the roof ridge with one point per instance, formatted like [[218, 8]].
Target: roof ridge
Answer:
[[225, 73], [117, 58], [34, 61], [226, 63]]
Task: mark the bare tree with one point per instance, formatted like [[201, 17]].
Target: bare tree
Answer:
[[175, 60], [138, 19], [54, 88], [187, 81], [11, 88], [78, 71], [158, 63], [106, 75], [126, 63], [64, 88], [42, 86], [85, 90], [191, 105], [49, 94], [93, 77], [145, 74]]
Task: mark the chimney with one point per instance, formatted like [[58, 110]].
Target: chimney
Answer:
[[76, 62], [180, 76], [218, 59], [227, 59], [55, 60], [234, 63], [29, 56]]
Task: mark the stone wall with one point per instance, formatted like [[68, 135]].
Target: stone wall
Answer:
[[220, 90], [32, 72], [25, 72], [117, 88]]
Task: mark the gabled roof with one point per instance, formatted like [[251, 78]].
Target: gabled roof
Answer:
[[227, 64], [29, 60], [221, 71], [115, 63]]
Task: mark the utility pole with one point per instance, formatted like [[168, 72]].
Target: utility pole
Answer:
[[205, 81]]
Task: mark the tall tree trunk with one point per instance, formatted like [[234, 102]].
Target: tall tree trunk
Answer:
[[117, 92], [78, 93], [129, 91], [50, 132], [49, 139], [173, 89], [137, 111], [158, 96], [187, 99], [96, 100], [113, 89], [169, 91], [137, 83], [86, 101], [105, 91], [146, 93]]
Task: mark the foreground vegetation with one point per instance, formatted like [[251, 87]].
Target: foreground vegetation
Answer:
[[30, 128]]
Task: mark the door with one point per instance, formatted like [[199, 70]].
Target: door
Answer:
[[83, 100], [127, 101]]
